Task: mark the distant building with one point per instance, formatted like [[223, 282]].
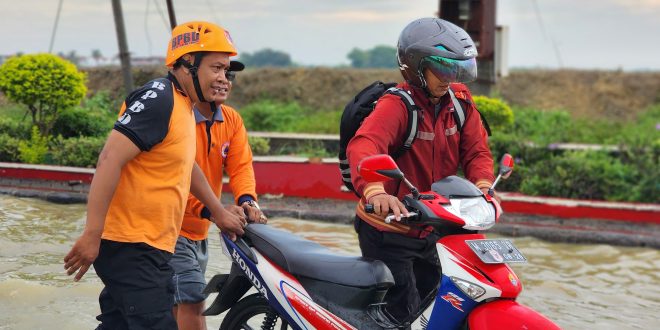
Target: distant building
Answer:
[[148, 60], [88, 61]]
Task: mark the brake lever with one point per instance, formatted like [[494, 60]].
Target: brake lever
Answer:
[[391, 217]]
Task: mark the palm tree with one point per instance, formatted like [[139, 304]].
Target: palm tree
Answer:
[[97, 56]]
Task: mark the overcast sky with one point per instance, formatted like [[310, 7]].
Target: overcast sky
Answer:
[[603, 34]]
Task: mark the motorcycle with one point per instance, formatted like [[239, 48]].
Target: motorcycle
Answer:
[[302, 285]]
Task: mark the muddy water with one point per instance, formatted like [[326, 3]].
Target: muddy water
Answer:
[[578, 286]]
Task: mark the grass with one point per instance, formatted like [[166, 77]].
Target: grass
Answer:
[[14, 112]]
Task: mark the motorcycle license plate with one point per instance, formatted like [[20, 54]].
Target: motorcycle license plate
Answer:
[[496, 251]]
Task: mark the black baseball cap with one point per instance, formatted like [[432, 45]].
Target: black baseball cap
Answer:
[[236, 66]]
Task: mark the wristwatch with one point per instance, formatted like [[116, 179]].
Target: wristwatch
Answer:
[[252, 204]]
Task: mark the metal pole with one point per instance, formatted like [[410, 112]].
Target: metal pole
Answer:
[[57, 19], [170, 12], [124, 54]]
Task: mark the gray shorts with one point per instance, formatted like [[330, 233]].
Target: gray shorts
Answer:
[[189, 264]]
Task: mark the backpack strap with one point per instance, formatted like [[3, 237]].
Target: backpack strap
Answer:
[[459, 114], [413, 120]]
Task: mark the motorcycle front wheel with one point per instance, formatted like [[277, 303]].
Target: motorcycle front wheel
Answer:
[[253, 312]]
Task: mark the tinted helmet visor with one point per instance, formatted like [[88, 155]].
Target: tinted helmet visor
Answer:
[[451, 70]]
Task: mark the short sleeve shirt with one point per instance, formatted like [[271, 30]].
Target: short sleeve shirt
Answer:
[[153, 188]]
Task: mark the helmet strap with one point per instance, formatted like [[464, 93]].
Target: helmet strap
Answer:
[[424, 85], [214, 107], [192, 68]]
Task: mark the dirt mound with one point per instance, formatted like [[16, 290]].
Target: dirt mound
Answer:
[[612, 94]]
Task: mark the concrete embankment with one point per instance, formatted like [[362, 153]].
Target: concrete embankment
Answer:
[[314, 193]]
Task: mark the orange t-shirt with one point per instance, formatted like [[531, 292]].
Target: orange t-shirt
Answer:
[[223, 145], [151, 195]]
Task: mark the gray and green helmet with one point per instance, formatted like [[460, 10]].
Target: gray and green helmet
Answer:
[[441, 46]]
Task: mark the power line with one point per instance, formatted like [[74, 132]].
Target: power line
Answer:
[[212, 10], [557, 53], [146, 27], [162, 16], [57, 19], [539, 19]]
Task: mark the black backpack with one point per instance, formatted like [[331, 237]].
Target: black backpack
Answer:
[[364, 103]]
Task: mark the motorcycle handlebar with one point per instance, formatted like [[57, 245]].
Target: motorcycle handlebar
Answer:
[[369, 208], [391, 217]]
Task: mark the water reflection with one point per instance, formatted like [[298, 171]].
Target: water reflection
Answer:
[[578, 286]]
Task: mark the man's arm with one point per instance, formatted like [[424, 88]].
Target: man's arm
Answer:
[[238, 166], [381, 132], [230, 223], [118, 150]]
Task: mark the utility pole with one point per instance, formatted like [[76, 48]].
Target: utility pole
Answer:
[[124, 54], [170, 12], [477, 18], [57, 20]]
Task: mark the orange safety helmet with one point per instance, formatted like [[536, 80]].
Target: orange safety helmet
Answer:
[[198, 36]]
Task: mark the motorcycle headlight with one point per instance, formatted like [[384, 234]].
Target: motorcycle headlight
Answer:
[[477, 213], [470, 289]]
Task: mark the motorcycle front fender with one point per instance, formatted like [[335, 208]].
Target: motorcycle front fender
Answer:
[[230, 287], [508, 314]]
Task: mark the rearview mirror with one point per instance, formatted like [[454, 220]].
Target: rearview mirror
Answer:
[[379, 168], [506, 166]]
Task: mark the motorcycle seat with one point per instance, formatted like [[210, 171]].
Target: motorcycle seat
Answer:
[[302, 257]]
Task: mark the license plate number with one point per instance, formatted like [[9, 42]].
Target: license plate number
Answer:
[[496, 251]]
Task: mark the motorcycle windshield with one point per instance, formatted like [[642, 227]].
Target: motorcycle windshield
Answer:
[[455, 186]]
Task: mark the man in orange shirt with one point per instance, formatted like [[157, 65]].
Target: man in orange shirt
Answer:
[[144, 174], [222, 144]]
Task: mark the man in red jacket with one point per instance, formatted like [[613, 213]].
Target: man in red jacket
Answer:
[[434, 55]]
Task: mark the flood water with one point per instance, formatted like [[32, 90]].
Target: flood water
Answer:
[[577, 286]]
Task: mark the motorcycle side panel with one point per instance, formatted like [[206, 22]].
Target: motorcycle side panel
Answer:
[[310, 312], [499, 276], [451, 306], [455, 266], [508, 314], [351, 304], [284, 292], [264, 278]]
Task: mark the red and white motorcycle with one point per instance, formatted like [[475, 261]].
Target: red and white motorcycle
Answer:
[[302, 285]]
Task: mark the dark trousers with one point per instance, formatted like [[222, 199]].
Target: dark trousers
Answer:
[[413, 262], [138, 292]]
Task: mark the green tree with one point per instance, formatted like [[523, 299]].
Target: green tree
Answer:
[[382, 57], [377, 57], [498, 114], [359, 58], [46, 84], [266, 57], [97, 56]]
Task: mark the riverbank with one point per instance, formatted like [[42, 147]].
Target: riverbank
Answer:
[[315, 194], [552, 229]]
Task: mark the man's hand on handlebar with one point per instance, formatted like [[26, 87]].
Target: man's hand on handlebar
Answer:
[[231, 220], [486, 191], [386, 203]]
